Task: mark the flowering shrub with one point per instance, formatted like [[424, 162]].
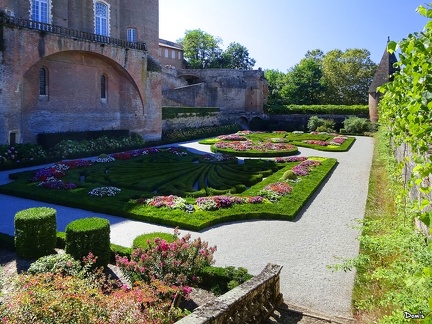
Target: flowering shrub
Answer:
[[21, 152], [175, 264], [316, 142], [57, 184], [338, 140], [74, 164], [171, 201], [218, 157], [49, 297], [304, 167], [244, 132], [103, 158], [290, 159], [122, 155], [176, 151], [217, 202], [104, 191], [232, 137], [260, 146], [63, 264], [48, 174], [275, 191]]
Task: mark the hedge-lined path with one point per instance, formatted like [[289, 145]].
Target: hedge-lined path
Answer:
[[323, 230]]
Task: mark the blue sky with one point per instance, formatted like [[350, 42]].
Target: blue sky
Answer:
[[278, 33]]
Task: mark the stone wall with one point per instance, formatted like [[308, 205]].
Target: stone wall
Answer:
[[251, 302], [225, 88], [404, 153], [73, 101]]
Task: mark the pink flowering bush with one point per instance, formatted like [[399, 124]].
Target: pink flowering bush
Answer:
[[316, 142], [275, 191], [217, 202], [304, 168], [171, 201], [290, 159], [175, 264], [232, 137]]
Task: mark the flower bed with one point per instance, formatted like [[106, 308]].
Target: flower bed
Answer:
[[167, 187]]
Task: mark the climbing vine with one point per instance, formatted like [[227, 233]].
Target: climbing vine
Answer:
[[406, 107]]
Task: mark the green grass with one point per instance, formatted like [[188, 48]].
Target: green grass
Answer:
[[188, 176]]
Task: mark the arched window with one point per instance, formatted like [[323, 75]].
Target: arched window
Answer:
[[43, 82], [103, 87], [101, 18], [39, 10]]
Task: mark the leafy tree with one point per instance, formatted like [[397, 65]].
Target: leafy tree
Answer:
[[276, 81], [201, 49], [348, 76], [303, 83], [236, 56]]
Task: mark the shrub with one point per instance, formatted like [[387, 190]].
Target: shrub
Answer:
[[220, 280], [53, 298], [356, 125], [316, 123], [35, 232], [63, 264], [144, 241], [176, 264], [89, 235], [289, 175]]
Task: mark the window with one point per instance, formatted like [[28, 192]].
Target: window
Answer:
[[101, 19], [39, 10], [173, 54], [43, 82], [131, 34], [103, 88], [166, 52], [179, 55]]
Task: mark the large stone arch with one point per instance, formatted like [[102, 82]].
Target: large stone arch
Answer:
[[25, 50], [73, 101]]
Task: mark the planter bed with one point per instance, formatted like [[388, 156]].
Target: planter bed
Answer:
[[126, 183]]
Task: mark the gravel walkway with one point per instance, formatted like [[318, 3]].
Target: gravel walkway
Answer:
[[322, 232]]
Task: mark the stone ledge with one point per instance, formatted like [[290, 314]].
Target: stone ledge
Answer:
[[251, 302]]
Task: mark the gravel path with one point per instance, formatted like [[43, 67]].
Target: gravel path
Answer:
[[322, 232]]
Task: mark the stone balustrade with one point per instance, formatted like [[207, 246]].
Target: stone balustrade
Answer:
[[251, 302]]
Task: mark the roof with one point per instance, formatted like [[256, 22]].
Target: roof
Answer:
[[384, 71], [165, 43]]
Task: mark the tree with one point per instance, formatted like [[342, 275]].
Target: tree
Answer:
[[236, 56], [303, 83], [200, 49], [275, 80], [348, 76]]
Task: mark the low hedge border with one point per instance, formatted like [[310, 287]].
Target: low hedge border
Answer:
[[317, 109]]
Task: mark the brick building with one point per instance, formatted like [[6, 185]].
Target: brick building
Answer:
[[171, 54], [70, 65]]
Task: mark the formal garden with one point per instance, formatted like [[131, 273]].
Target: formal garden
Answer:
[[163, 185]]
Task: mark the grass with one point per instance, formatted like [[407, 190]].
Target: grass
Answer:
[[393, 254], [167, 173]]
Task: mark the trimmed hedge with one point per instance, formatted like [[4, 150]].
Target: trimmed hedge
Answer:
[[89, 235], [141, 240], [178, 112], [49, 140], [35, 232], [317, 109]]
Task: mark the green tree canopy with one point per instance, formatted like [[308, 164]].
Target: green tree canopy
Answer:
[[348, 76], [236, 56], [336, 77], [200, 49], [303, 83]]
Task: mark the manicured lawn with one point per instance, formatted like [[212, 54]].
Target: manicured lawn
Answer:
[[278, 143], [175, 179]]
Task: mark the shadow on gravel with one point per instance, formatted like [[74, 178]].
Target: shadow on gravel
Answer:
[[314, 195]]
